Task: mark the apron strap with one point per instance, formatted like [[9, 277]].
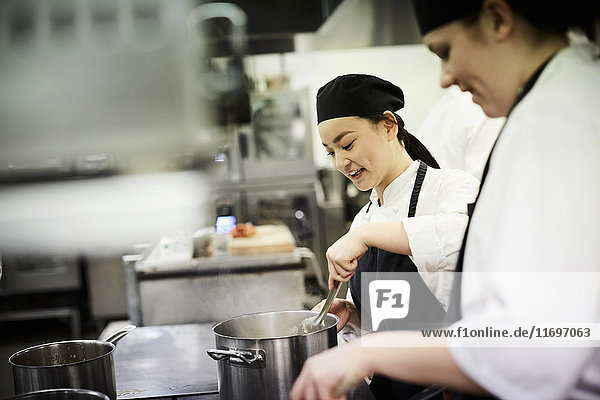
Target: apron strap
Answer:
[[414, 198], [368, 261]]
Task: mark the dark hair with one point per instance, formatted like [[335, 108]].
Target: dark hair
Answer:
[[413, 146], [555, 17]]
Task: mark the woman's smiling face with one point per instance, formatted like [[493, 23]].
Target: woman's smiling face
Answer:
[[360, 150], [473, 60]]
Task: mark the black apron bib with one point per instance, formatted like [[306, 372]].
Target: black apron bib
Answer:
[[377, 260]]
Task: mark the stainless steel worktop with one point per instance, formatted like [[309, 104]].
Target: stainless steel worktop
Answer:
[[166, 361], [155, 269]]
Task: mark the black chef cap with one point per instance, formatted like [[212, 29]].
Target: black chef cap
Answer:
[[432, 14], [357, 95]]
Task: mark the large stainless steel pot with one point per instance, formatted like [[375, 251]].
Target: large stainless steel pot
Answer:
[[260, 355], [61, 394], [79, 364]]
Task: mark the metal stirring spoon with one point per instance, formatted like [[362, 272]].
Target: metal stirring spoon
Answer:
[[310, 324]]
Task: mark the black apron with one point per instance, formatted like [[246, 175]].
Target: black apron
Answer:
[[377, 260]]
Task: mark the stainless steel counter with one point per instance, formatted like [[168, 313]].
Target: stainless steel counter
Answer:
[[166, 361], [155, 268]]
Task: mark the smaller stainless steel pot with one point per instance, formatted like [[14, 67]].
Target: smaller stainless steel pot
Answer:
[[79, 364], [61, 394]]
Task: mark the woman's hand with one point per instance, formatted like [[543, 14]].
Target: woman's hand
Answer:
[[330, 374], [343, 255], [345, 310]]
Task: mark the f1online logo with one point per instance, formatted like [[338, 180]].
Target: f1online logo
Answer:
[[389, 299]]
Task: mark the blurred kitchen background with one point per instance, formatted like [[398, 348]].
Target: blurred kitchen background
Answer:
[[128, 128]]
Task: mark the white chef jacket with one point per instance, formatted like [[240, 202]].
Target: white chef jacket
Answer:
[[435, 232], [458, 133], [539, 211]]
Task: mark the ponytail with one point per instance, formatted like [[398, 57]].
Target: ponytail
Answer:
[[417, 150], [413, 146]]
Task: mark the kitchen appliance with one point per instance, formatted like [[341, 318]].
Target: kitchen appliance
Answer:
[[280, 144], [257, 357], [80, 364], [268, 171]]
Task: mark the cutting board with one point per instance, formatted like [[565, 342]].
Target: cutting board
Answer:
[[267, 239]]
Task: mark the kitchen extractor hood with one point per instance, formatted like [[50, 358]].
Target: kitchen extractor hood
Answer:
[[279, 26], [364, 23], [271, 24]]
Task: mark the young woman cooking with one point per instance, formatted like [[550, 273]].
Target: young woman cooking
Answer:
[[537, 210], [416, 216]]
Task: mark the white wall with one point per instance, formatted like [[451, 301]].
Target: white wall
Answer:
[[412, 67]]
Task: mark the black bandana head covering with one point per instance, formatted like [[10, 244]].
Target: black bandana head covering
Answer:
[[432, 14], [357, 95]]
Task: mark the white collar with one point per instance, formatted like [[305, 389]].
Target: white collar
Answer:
[[398, 186]]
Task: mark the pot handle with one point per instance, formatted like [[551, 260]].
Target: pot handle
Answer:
[[248, 358], [118, 335]]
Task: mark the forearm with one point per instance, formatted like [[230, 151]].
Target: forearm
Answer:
[[389, 236], [401, 356]]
